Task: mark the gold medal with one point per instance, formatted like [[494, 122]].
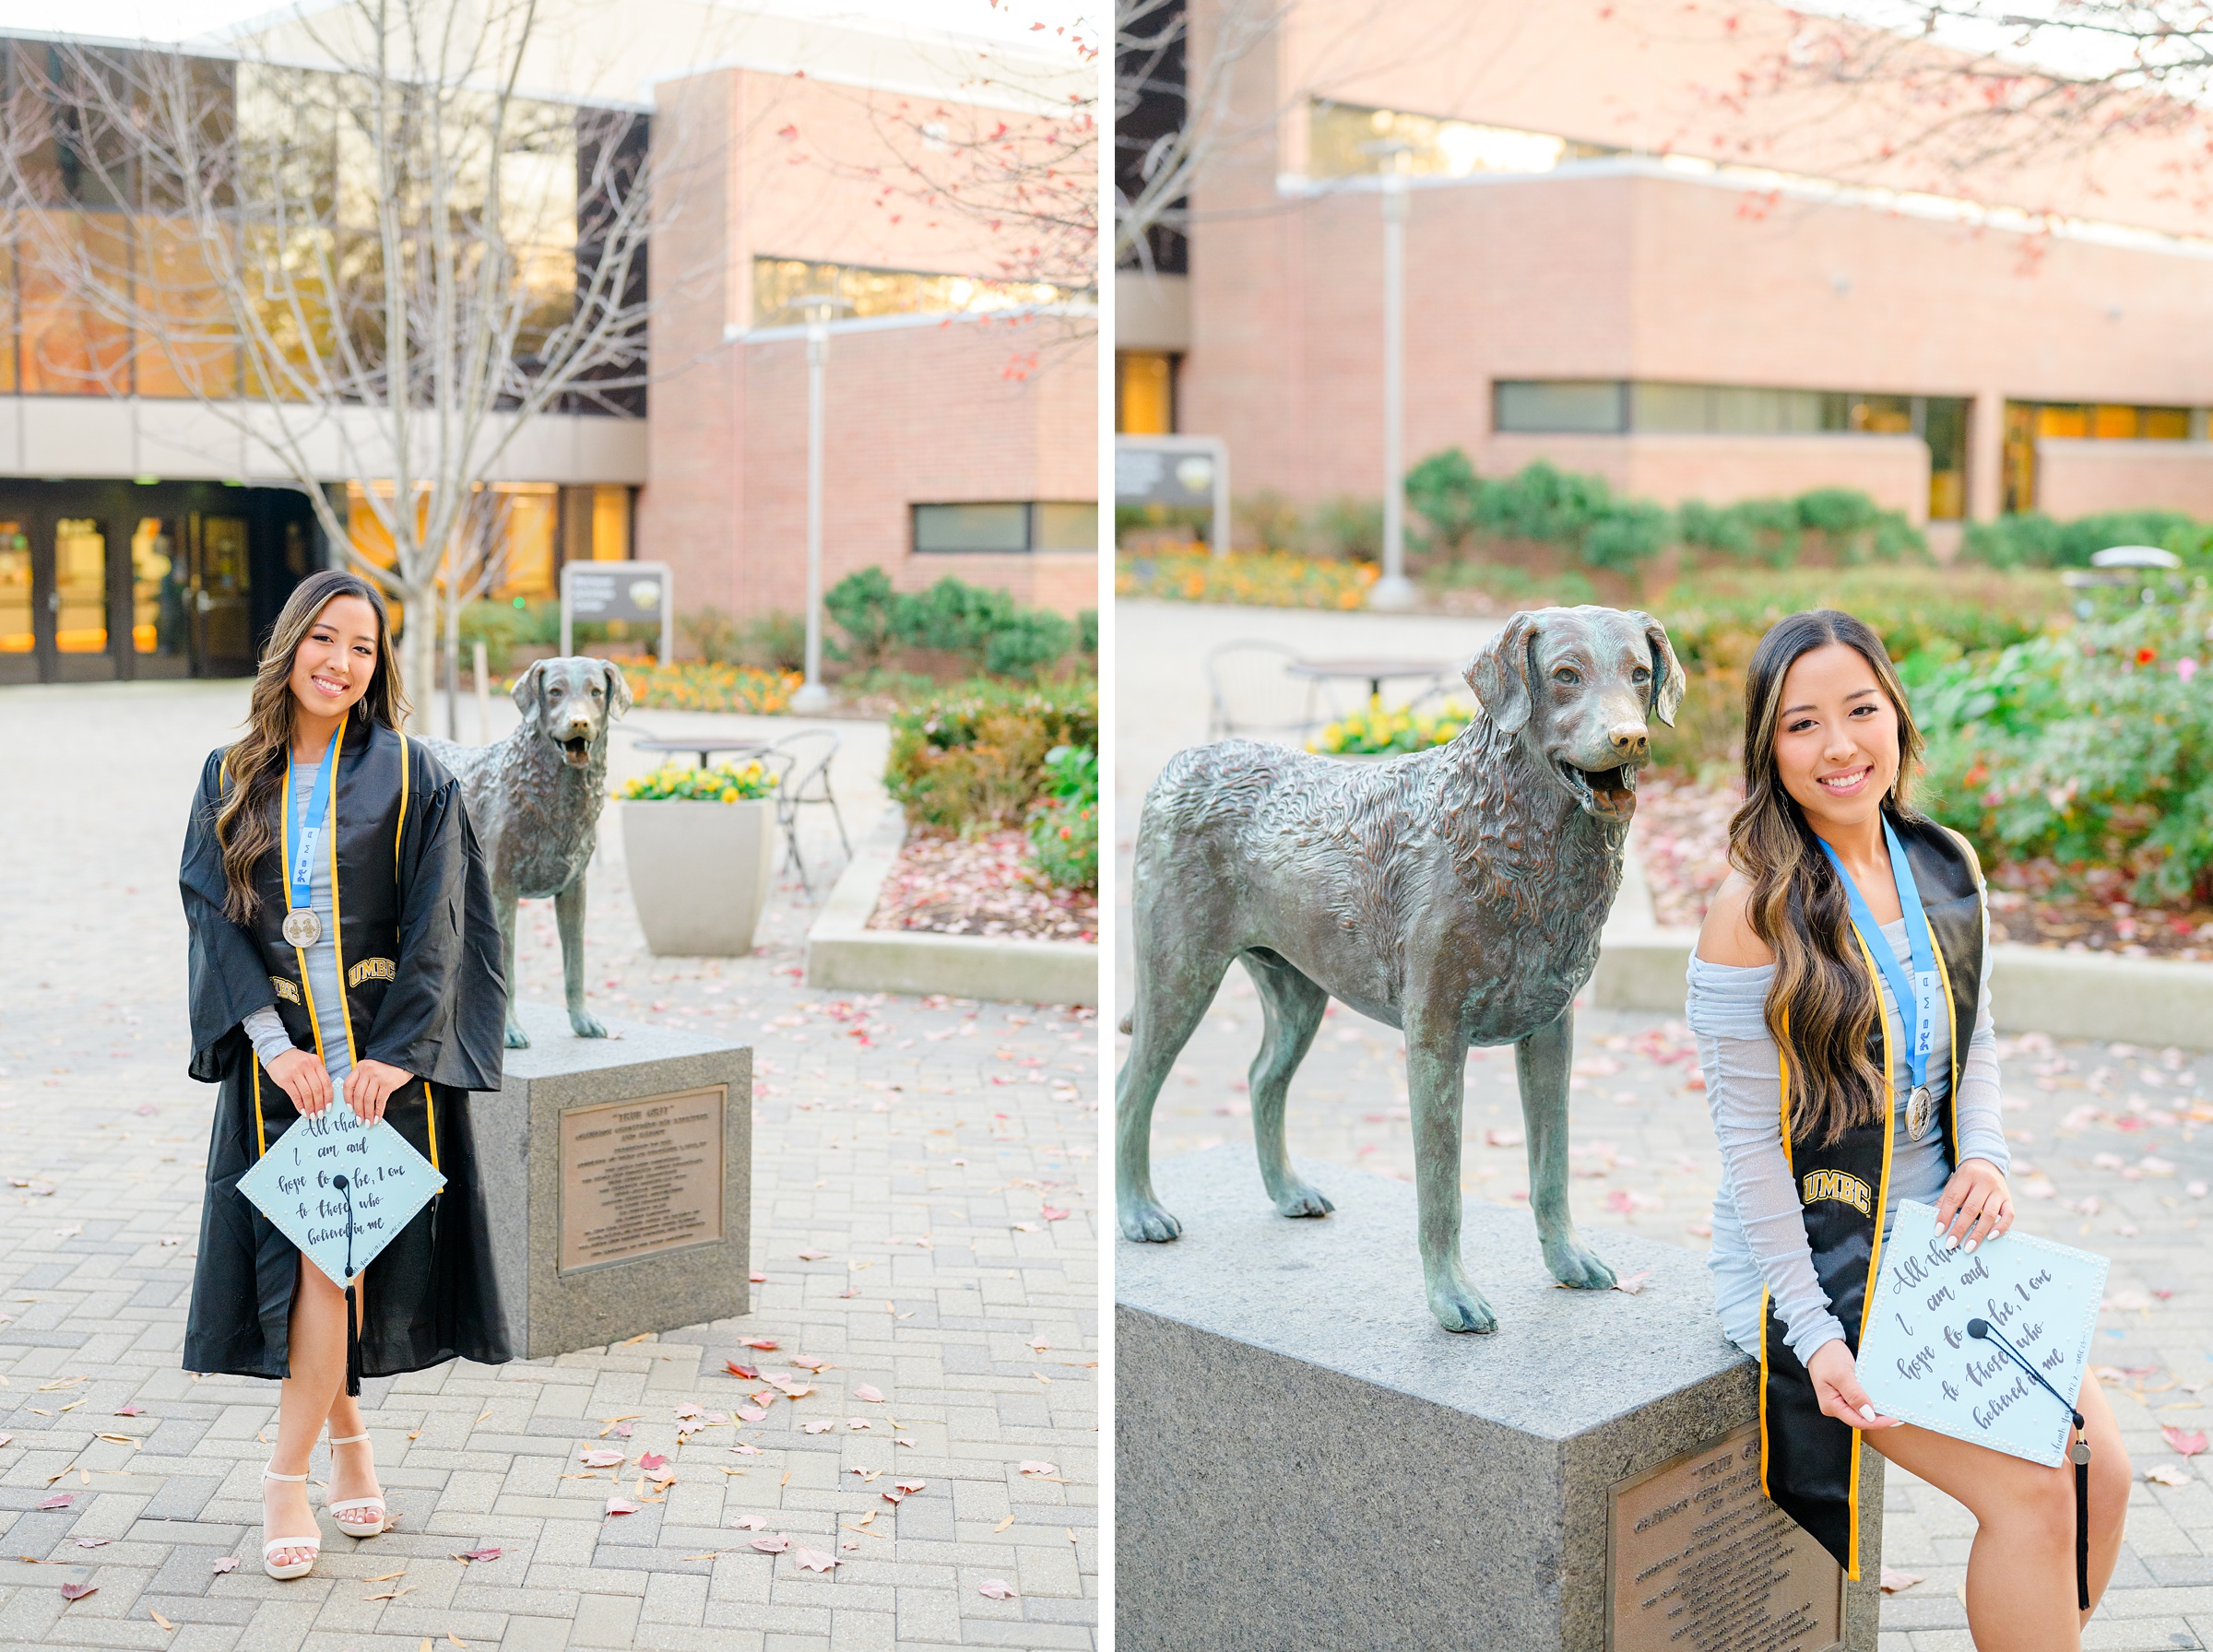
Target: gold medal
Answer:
[[302, 927], [1920, 1113]]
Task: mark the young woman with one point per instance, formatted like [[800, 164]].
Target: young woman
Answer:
[[1839, 890], [344, 953]]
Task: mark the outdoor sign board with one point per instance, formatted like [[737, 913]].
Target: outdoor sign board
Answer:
[[1176, 470], [599, 592]]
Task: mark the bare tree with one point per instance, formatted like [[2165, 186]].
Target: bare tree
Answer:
[[1971, 93], [1151, 49], [377, 260]]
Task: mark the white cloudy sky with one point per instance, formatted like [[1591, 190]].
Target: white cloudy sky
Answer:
[[181, 19]]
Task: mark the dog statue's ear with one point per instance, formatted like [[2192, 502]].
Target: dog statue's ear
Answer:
[[526, 689], [1500, 674], [618, 689], [1668, 681]]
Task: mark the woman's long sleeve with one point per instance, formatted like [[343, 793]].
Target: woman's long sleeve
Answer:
[[265, 1028], [1744, 1093]]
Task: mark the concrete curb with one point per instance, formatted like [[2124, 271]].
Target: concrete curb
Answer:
[[2032, 989], [842, 952]]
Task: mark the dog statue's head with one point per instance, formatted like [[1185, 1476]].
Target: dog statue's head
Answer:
[[571, 702], [1580, 687]]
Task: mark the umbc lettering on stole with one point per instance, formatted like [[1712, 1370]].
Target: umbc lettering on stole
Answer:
[[1840, 1185], [371, 969]]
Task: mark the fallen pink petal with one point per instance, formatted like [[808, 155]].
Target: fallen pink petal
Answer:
[[996, 1588], [813, 1560], [775, 1543], [865, 1391], [621, 1506]]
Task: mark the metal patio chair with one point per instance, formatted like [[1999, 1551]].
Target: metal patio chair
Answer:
[[803, 781], [1250, 692]]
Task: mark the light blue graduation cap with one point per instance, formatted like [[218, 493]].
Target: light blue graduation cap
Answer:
[[340, 1190]]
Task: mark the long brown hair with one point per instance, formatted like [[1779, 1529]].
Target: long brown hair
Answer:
[[1822, 1005], [246, 825]]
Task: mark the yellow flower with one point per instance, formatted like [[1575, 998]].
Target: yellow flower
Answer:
[[729, 795]]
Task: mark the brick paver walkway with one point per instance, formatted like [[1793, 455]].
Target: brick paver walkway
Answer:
[[940, 1154], [2119, 1138]]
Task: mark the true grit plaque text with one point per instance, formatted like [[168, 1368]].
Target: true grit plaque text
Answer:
[[1697, 1560], [640, 1176]]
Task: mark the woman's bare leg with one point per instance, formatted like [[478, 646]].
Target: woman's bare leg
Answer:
[[318, 1364], [353, 1468], [2020, 1572]]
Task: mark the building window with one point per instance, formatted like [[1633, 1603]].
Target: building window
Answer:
[[1001, 528], [783, 286], [1560, 407], [1346, 139], [1613, 406], [1145, 392], [2029, 422]]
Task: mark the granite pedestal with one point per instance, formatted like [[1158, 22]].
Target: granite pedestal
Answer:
[[1305, 1459], [619, 1175]]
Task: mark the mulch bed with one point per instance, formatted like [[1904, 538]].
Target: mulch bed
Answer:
[[1681, 834], [982, 885]]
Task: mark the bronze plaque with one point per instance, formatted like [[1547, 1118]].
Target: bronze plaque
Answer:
[[640, 1176], [1697, 1560]]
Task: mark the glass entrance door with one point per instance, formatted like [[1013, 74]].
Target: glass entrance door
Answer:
[[78, 600], [159, 642], [225, 628], [18, 637]]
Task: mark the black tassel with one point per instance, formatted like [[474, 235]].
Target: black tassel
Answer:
[[2081, 1454], [353, 1346]]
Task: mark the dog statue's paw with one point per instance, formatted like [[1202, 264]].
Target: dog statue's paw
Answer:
[[518, 1039], [587, 1026], [1577, 1266], [1462, 1309], [1298, 1200], [1147, 1223]]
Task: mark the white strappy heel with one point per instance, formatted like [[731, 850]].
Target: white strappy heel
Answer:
[[356, 1528], [313, 1544]]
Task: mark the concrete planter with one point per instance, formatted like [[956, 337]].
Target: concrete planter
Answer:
[[699, 873], [842, 952]]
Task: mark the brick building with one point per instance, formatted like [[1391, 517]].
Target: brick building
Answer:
[[142, 536], [1618, 262]]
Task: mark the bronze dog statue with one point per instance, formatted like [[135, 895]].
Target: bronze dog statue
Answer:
[[1456, 893]]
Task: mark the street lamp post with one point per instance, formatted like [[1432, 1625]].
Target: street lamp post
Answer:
[[1393, 590], [812, 696]]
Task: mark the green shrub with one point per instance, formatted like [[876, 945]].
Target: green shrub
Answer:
[[1026, 642], [1444, 490], [1627, 535], [1087, 631], [1064, 826], [771, 642], [2094, 748], [984, 625], [2034, 540], [973, 756], [861, 605], [504, 626], [1347, 527]]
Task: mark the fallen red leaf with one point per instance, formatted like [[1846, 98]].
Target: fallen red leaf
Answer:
[[652, 1460], [481, 1555], [996, 1588], [2184, 1442], [1894, 1580], [77, 1591], [1052, 1214], [228, 1564], [621, 1506], [1633, 1282], [763, 1342], [912, 1485], [775, 1543], [747, 1372], [130, 1411], [806, 1362], [813, 1560], [869, 1392], [59, 1500]]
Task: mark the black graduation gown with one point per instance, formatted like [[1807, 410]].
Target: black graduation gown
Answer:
[[1809, 1462], [418, 949]]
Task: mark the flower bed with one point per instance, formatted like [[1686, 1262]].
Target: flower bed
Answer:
[[982, 885], [1377, 732], [1264, 578], [694, 686]]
